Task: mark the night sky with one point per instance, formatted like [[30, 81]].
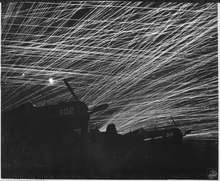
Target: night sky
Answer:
[[147, 61]]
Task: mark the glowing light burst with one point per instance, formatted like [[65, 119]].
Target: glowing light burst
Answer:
[[149, 62], [51, 81]]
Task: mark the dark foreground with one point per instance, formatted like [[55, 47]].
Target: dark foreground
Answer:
[[193, 159]]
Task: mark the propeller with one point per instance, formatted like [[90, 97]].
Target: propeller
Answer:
[[98, 108], [70, 89], [174, 121], [93, 110], [188, 131]]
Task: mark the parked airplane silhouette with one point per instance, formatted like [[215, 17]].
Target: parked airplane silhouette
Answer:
[[52, 123], [47, 133]]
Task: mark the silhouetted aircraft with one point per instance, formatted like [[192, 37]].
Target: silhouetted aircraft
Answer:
[[47, 133], [171, 135], [163, 135], [51, 122], [55, 123]]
